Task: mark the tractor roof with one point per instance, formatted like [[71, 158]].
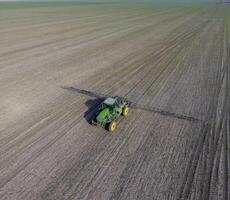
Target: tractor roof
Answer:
[[109, 101]]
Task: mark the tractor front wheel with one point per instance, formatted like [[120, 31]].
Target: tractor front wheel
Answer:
[[125, 111], [112, 126]]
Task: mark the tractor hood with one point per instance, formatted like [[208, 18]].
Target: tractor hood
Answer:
[[102, 116]]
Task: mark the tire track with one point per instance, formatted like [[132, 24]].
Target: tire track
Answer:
[[84, 170], [50, 192], [210, 148]]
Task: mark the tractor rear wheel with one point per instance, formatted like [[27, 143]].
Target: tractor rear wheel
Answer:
[[125, 111], [112, 126]]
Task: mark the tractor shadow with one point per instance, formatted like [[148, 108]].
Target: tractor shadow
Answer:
[[92, 104]]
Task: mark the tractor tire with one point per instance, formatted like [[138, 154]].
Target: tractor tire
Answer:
[[125, 111], [112, 126]]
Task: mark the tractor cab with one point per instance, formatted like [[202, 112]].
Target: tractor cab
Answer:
[[113, 105], [109, 101]]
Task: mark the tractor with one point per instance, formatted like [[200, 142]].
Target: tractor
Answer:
[[111, 108], [110, 111]]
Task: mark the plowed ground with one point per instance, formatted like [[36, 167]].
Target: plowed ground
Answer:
[[172, 58]]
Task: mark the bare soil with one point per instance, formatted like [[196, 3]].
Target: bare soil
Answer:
[[174, 59]]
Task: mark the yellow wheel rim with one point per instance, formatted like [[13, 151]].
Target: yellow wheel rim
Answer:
[[126, 111], [113, 126]]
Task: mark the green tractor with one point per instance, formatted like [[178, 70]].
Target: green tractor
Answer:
[[109, 112]]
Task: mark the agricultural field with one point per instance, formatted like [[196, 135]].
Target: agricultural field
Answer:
[[173, 58]]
